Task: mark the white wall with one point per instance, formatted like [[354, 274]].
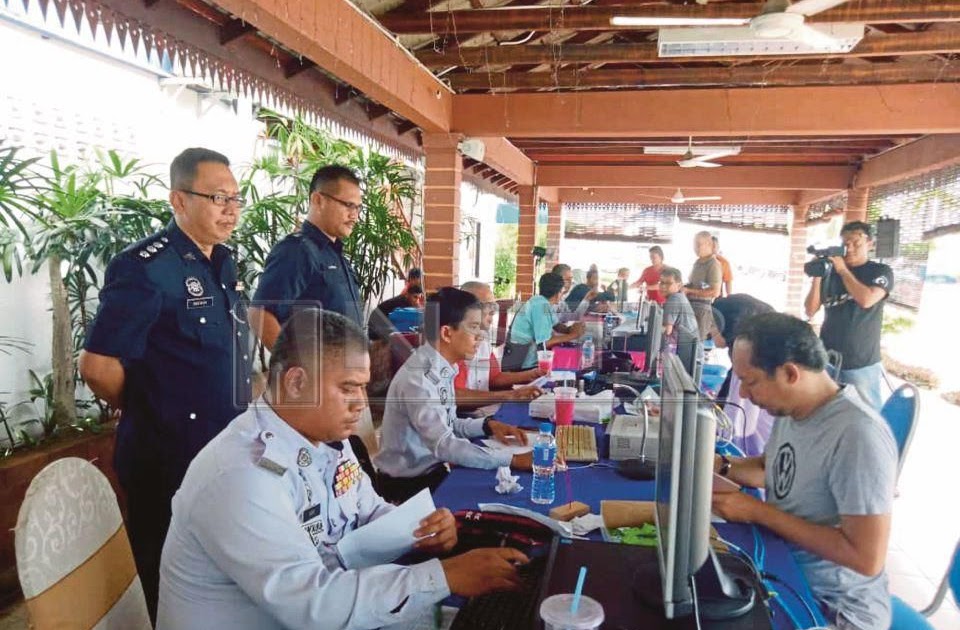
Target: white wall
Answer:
[[54, 95], [482, 207]]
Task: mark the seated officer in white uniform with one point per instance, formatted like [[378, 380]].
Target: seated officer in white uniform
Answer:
[[421, 431], [255, 523], [479, 380]]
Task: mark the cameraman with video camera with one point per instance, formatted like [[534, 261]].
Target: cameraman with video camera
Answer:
[[852, 291]]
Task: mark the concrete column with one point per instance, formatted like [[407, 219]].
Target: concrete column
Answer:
[[526, 239], [857, 201], [554, 221], [441, 212], [796, 280]]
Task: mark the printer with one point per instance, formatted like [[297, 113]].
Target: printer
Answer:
[[626, 433]]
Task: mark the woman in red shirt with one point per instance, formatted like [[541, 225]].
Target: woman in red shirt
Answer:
[[651, 276]]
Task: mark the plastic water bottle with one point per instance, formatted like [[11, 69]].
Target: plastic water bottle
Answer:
[[543, 490], [587, 353]]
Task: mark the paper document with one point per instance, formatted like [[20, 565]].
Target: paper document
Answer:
[[515, 447], [387, 538]]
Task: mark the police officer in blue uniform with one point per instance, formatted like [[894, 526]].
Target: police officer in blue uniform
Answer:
[[256, 523], [308, 268], [170, 348]]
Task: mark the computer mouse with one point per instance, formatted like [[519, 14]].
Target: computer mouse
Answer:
[[636, 468]]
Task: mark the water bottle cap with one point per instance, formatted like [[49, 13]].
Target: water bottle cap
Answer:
[[546, 427], [588, 337]]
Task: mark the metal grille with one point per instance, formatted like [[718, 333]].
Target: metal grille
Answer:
[[927, 206], [619, 222], [827, 209], [773, 219], [655, 222]]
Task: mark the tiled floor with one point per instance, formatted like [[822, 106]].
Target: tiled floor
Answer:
[[926, 515], [926, 518]]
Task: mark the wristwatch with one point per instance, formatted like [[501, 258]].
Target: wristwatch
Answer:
[[487, 431], [724, 466]]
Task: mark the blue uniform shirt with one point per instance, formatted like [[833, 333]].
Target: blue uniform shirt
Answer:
[[176, 321], [307, 268], [252, 542]]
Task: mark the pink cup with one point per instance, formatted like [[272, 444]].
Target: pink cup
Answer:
[[563, 404], [545, 361]]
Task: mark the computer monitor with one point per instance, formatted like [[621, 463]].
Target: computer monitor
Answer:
[[654, 333], [683, 492], [690, 351]]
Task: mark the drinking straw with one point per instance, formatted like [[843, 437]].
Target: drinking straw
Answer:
[[575, 604]]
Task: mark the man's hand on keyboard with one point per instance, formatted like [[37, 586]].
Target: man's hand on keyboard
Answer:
[[507, 433], [437, 533], [481, 571], [525, 394]]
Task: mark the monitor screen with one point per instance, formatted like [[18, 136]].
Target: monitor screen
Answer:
[[683, 485], [654, 333], [690, 351]]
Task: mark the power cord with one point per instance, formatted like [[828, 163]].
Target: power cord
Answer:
[[795, 593], [696, 605]]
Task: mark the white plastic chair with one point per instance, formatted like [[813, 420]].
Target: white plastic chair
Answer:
[[73, 556]]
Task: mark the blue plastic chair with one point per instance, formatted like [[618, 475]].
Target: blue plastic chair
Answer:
[[906, 617], [901, 412]]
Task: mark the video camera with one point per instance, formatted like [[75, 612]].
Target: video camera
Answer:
[[820, 266]]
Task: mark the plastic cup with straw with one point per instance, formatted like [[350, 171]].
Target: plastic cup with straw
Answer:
[[574, 611]]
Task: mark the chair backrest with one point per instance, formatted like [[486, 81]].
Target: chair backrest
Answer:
[[73, 557], [901, 412], [953, 577], [834, 364]]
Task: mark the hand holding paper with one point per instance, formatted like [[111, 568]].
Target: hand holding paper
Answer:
[[387, 538]]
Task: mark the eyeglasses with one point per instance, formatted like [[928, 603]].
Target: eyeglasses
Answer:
[[352, 207], [219, 199]]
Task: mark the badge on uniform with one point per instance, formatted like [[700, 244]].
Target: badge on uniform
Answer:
[[303, 458], [347, 474], [200, 302], [194, 287], [315, 530], [443, 395]]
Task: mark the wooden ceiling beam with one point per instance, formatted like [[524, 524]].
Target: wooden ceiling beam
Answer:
[[234, 29], [926, 154], [784, 75], [344, 41], [597, 18], [910, 43], [763, 177]]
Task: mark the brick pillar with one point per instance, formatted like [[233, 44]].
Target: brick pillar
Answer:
[[526, 239], [441, 212], [796, 280], [857, 200], [554, 221]]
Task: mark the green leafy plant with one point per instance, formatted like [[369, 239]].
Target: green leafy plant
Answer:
[[504, 262]]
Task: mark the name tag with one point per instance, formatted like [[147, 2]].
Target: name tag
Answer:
[[310, 513], [200, 302]]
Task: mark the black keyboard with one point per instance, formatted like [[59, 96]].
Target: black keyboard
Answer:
[[507, 610]]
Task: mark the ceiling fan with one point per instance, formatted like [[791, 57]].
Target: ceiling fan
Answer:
[[691, 156], [778, 20], [678, 197]]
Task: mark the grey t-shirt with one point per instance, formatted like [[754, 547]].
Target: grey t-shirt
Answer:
[[840, 460], [677, 311]]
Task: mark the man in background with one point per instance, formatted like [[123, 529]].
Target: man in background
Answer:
[[308, 268], [726, 272], [704, 283], [853, 294]]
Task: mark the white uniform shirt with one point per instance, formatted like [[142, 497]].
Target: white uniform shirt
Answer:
[[252, 540], [421, 429], [478, 368]]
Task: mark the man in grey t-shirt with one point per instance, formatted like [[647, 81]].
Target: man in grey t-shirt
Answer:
[[829, 470]]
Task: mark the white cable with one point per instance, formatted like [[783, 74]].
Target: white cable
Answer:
[[696, 606]]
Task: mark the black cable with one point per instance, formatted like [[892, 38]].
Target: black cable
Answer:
[[796, 594]]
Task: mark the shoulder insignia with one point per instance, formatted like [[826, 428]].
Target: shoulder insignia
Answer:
[[430, 375], [269, 457]]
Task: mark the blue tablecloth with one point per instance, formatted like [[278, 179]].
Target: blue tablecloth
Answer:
[[464, 488]]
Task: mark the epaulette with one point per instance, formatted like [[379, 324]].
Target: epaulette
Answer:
[[428, 373], [151, 247], [269, 458]]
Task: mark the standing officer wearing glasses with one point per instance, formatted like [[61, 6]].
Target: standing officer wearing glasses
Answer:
[[308, 268], [170, 348]]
